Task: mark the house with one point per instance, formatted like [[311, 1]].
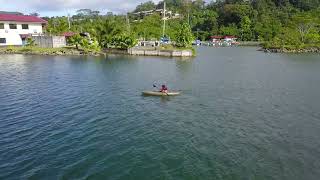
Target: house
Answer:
[[216, 40], [224, 41], [141, 14], [68, 34], [230, 38], [15, 28]]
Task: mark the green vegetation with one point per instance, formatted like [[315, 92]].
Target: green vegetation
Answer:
[[184, 37], [76, 40], [85, 43], [123, 41], [47, 51], [30, 42], [292, 24]]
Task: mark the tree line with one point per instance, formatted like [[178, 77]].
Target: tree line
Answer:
[[277, 23]]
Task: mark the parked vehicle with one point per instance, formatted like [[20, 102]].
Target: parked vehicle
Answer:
[[165, 40]]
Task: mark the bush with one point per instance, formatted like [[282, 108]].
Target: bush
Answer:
[[123, 41], [10, 48], [30, 42], [85, 43], [184, 37]]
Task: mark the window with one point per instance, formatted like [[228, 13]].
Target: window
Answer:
[[1, 26], [3, 40], [25, 26], [13, 26]]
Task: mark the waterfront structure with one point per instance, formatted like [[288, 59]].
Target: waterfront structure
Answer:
[[162, 12], [49, 41], [15, 28], [151, 43], [223, 41]]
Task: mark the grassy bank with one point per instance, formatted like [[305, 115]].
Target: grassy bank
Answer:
[[47, 51], [301, 48], [72, 51]]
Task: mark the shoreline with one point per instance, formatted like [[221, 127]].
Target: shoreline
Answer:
[[68, 51], [250, 43], [48, 51], [291, 51]]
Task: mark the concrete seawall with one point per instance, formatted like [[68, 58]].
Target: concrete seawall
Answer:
[[165, 53]]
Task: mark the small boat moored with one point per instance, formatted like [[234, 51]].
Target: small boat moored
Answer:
[[157, 93]]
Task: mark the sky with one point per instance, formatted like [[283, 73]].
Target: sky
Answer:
[[64, 7]]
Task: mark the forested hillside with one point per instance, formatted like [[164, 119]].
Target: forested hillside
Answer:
[[278, 23]]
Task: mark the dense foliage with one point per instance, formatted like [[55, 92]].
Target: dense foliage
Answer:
[[184, 37], [278, 23], [84, 42]]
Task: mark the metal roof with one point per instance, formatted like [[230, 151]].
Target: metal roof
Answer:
[[21, 18]]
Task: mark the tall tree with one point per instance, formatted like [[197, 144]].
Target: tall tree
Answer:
[[149, 5]]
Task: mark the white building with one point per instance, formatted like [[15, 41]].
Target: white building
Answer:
[[14, 29]]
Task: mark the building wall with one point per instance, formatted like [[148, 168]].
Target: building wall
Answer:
[[58, 41], [13, 35], [166, 53], [43, 41], [50, 41]]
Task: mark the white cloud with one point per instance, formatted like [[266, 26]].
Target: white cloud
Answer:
[[50, 7]]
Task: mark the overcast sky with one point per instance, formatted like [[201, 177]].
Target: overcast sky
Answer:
[[63, 7]]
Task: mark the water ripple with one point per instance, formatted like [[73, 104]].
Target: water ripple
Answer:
[[85, 118]]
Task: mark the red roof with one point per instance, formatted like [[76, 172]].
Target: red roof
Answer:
[[230, 37], [68, 34], [21, 18], [216, 37], [222, 37]]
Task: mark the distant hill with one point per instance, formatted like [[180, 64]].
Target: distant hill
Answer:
[[8, 12]]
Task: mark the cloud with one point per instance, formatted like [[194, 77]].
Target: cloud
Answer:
[[58, 6]]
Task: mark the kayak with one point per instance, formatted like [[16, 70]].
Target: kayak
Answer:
[[157, 93]]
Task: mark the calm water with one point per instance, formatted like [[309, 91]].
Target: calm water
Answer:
[[243, 114]]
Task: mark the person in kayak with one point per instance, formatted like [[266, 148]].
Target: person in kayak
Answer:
[[164, 89]]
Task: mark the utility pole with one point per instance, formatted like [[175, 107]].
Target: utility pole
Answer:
[[69, 21], [189, 6], [128, 23], [164, 19]]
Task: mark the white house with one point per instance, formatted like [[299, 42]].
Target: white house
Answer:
[[14, 29]]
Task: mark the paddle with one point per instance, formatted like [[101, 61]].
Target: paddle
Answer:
[[158, 88]]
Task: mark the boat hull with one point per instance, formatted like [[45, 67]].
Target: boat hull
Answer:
[[156, 93]]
